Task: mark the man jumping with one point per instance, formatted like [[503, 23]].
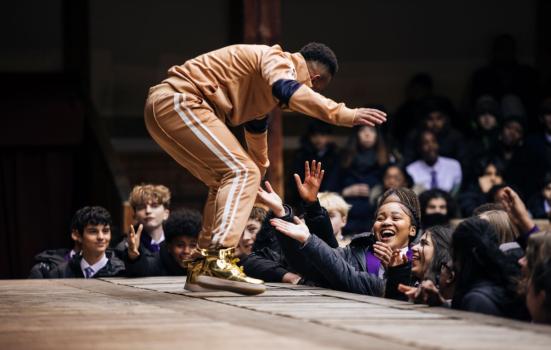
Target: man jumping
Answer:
[[187, 114]]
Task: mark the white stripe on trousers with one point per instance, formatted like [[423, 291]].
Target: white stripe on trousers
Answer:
[[224, 227]]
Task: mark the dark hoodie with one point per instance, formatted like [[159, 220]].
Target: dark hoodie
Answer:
[[47, 261], [71, 268], [154, 264]]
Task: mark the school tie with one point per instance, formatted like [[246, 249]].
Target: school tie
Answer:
[[433, 179], [88, 272]]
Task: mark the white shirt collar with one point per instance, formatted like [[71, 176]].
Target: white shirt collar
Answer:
[[96, 267], [159, 241]]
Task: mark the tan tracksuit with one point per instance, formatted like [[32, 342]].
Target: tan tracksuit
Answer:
[[187, 114]]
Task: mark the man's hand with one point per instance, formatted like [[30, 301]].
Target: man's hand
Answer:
[[297, 231], [369, 117], [134, 242], [271, 199], [290, 277], [308, 190]]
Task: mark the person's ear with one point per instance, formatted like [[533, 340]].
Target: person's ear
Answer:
[[315, 77], [166, 214], [412, 231], [452, 278], [344, 219], [75, 236]]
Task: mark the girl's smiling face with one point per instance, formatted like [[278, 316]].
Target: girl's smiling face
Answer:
[[393, 225], [423, 253]]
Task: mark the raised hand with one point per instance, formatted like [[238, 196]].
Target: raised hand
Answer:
[[369, 117], [271, 199], [297, 230], [514, 206], [133, 241], [383, 252], [313, 175]]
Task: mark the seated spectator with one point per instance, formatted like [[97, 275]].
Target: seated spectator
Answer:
[[488, 173], [337, 208], [538, 294], [49, 259], [409, 114], [437, 208], [373, 263], [430, 260], [394, 176], [540, 204], [246, 242], [437, 114], [181, 230], [519, 161], [92, 229], [485, 278], [151, 208], [536, 277], [432, 170], [507, 233], [317, 144], [539, 143], [363, 161]]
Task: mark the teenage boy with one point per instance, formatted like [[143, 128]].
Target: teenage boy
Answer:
[[151, 208], [337, 208], [92, 229], [245, 246], [181, 230]]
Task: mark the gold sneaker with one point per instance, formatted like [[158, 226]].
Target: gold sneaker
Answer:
[[194, 268], [219, 271]]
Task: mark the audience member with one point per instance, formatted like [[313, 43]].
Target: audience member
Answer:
[[507, 233], [151, 208], [437, 114], [181, 230], [540, 204], [47, 260], [373, 263], [363, 161], [485, 278], [437, 207], [337, 208], [394, 176], [488, 173], [92, 229], [254, 223], [432, 170], [316, 144]]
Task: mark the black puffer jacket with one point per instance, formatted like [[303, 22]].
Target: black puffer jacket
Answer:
[[154, 264], [71, 268], [345, 268], [48, 260]]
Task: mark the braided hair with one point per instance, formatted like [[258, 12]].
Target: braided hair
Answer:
[[409, 200]]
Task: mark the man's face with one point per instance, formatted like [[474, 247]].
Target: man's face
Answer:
[[429, 147], [249, 236], [95, 239], [182, 247], [319, 75], [435, 121], [512, 133], [151, 215], [437, 206], [338, 221]]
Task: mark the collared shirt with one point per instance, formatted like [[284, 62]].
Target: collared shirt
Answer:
[[448, 173], [151, 244], [96, 267]]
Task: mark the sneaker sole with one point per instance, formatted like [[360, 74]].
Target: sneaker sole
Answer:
[[230, 286], [194, 287]]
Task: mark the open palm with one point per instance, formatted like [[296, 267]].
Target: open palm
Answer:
[[271, 199], [313, 176]]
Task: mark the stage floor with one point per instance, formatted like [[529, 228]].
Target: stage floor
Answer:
[[156, 313]]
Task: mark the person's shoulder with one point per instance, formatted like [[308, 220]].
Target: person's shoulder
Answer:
[[449, 161]]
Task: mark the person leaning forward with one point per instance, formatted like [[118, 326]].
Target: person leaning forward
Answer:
[[238, 85]]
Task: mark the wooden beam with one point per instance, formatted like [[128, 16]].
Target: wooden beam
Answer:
[[262, 25]]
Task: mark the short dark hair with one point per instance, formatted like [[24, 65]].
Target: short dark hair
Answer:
[[182, 222], [428, 195], [320, 53], [90, 216]]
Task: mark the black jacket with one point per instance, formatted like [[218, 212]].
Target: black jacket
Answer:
[[48, 260], [268, 261], [71, 268], [345, 268], [154, 264]]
